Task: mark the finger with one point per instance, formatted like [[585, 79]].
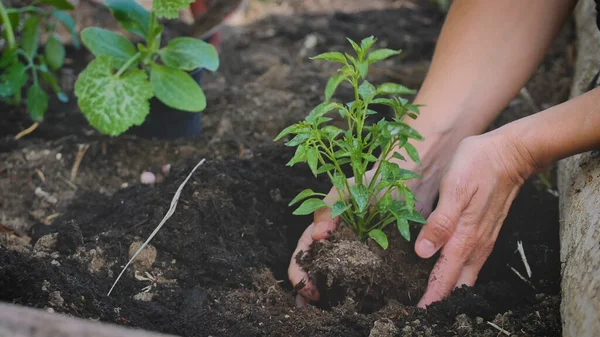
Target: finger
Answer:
[[323, 223], [448, 268], [440, 224], [472, 267], [297, 276]]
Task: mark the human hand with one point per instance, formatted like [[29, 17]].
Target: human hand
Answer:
[[481, 182]]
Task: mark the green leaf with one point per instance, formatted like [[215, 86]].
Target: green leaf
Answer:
[[403, 228], [356, 48], [339, 181], [51, 81], [188, 54], [67, 20], [339, 208], [300, 138], [409, 199], [169, 9], [360, 194], [384, 204], [302, 195], [102, 42], [394, 89], [296, 128], [381, 54], [131, 15], [13, 79], [398, 156], [30, 38], [312, 157], [9, 56], [58, 4], [379, 236], [363, 69], [399, 128], [325, 168], [369, 157], [367, 43], [331, 56], [320, 110], [404, 174], [113, 104], [14, 18], [367, 91], [55, 52], [309, 206], [176, 89], [412, 153], [299, 156], [37, 102], [332, 85]]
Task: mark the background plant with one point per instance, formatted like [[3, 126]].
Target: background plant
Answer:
[[22, 64], [115, 89], [368, 205]]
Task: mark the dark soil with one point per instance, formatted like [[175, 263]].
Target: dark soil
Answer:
[[221, 260]]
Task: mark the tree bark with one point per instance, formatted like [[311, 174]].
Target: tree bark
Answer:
[[579, 188]]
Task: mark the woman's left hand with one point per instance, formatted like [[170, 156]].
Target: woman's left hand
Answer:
[[481, 182]]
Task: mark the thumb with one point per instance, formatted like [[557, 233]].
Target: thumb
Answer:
[[323, 222], [440, 224]]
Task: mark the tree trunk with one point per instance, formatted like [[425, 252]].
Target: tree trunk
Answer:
[[579, 187]]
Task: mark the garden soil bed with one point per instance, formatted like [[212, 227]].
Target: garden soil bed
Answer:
[[221, 260]]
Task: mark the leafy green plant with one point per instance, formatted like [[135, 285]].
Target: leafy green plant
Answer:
[[115, 89], [367, 205], [22, 64]]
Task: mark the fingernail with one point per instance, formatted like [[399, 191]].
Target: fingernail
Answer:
[[425, 248]]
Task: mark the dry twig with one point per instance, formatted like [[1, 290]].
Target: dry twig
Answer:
[[82, 150], [27, 131]]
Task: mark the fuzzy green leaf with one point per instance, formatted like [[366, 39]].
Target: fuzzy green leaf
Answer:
[[367, 91], [131, 15], [302, 195], [9, 56], [312, 157], [379, 236], [332, 85], [113, 104], [169, 9], [299, 156], [37, 102], [30, 38], [309, 206], [363, 69], [55, 52], [403, 228], [176, 89], [67, 20], [320, 110], [331, 56], [412, 153], [394, 89], [296, 128], [188, 54], [300, 138], [360, 194], [369, 157], [103, 42], [58, 4], [381, 54], [356, 47], [13, 79], [398, 156], [399, 128], [339, 208]]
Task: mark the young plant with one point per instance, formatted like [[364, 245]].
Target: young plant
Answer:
[[22, 64], [115, 89], [369, 204]]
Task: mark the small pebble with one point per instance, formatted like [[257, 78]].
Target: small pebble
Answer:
[[59, 156], [166, 169], [148, 178]]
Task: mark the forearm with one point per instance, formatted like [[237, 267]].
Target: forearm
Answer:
[[485, 54], [559, 132]]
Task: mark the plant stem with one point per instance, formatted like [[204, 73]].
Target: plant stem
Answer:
[[128, 64], [10, 34]]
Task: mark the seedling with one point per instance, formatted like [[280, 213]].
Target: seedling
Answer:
[[367, 205], [22, 64], [115, 89]]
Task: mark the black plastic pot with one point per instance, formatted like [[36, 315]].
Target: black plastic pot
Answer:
[[164, 122]]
